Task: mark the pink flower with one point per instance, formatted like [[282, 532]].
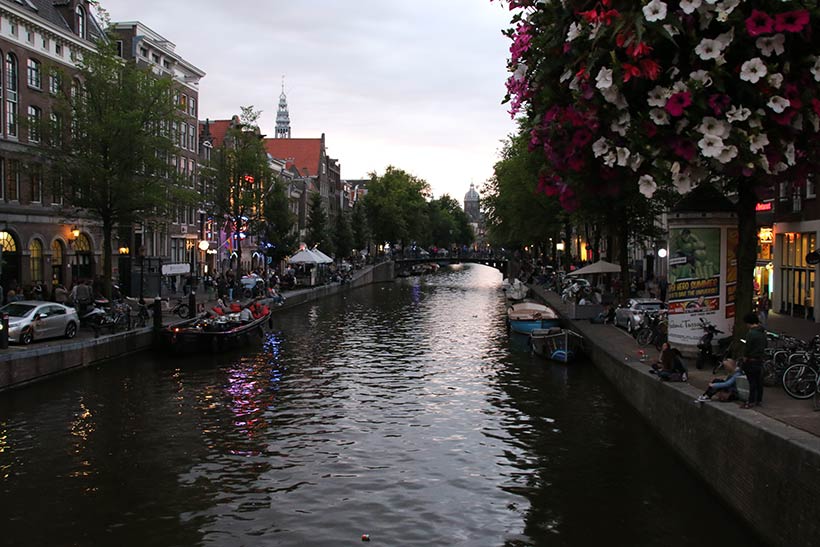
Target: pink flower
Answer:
[[759, 22], [791, 21], [630, 71], [786, 117], [685, 149], [815, 104], [792, 93], [581, 138], [676, 104], [568, 200], [719, 103]]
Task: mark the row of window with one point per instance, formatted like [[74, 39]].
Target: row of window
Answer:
[[185, 103], [185, 133], [12, 28], [12, 188]]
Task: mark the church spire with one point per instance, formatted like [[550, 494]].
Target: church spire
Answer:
[[282, 116]]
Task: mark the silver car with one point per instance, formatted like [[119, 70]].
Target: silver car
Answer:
[[31, 320], [631, 316]]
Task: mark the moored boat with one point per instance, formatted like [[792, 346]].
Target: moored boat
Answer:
[[516, 290], [524, 317], [210, 334], [556, 344]]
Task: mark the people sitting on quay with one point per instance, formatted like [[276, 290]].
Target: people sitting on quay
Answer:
[[670, 367], [723, 389]]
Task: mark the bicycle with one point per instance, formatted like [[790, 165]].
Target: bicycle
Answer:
[[653, 331], [800, 380], [181, 309]]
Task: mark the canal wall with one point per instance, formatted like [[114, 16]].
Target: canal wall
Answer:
[[21, 366], [765, 470]]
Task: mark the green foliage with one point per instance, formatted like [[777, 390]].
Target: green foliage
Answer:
[[241, 173], [343, 236], [395, 204], [449, 224], [318, 233], [276, 232], [109, 150], [361, 230]]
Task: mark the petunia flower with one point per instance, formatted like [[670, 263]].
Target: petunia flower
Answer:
[[775, 80], [708, 49], [778, 103], [647, 185], [738, 114], [759, 22], [655, 11], [600, 147], [689, 6], [719, 102], [758, 142], [752, 70], [791, 21], [659, 116], [815, 70], [678, 102], [658, 95], [727, 154], [622, 155], [769, 45], [713, 126], [604, 78], [710, 146]]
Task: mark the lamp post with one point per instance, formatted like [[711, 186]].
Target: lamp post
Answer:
[[142, 273], [203, 248]]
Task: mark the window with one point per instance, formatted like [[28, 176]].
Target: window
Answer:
[[182, 134], [155, 58], [12, 28], [80, 22], [192, 107], [29, 36], [183, 102], [119, 48], [783, 191], [56, 129], [44, 44], [56, 253], [143, 52], [191, 138], [11, 95], [167, 64], [13, 180], [35, 118], [2, 180], [36, 250], [811, 189], [57, 195], [54, 83], [35, 78], [58, 50], [36, 178]]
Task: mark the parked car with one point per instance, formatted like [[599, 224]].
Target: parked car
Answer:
[[31, 320], [631, 315]]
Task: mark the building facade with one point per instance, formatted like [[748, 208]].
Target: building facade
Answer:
[[40, 43]]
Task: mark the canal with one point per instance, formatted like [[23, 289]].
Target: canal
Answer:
[[400, 410]]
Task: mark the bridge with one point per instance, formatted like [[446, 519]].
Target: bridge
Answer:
[[498, 262]]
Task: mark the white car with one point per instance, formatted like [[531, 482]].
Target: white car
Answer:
[[31, 320], [632, 314]]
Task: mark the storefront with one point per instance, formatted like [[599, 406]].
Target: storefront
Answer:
[[795, 279], [764, 267]]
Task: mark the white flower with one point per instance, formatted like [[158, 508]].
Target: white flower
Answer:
[[604, 78], [682, 182], [655, 11], [771, 44], [679, 87], [671, 31], [815, 122], [689, 6], [710, 146], [775, 80], [623, 155], [778, 103], [609, 159], [614, 96], [702, 77], [713, 126], [725, 9], [600, 147], [797, 122], [620, 125], [708, 49], [727, 154], [635, 162], [789, 153], [520, 73], [573, 32], [647, 185], [738, 114], [658, 96], [758, 142], [659, 116], [566, 76], [815, 70], [752, 70]]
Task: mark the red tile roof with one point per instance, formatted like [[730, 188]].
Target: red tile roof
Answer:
[[304, 154], [218, 129]]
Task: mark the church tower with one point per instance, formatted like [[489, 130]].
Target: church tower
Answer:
[[282, 116], [472, 204]]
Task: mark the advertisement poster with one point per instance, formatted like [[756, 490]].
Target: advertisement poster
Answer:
[[731, 271], [694, 270]]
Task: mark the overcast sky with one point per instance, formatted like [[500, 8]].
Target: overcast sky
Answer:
[[416, 84]]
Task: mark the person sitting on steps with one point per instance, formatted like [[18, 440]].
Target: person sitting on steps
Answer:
[[670, 367]]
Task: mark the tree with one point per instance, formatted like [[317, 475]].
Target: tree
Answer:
[[112, 160], [343, 236], [317, 225], [361, 231], [448, 223], [241, 173], [636, 95], [396, 204], [277, 237]]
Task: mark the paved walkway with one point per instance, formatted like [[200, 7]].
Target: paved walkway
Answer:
[[776, 404]]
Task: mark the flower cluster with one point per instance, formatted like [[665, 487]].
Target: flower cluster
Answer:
[[668, 91]]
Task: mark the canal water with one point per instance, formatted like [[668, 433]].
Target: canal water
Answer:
[[402, 410]]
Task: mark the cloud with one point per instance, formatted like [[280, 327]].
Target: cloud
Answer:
[[416, 84]]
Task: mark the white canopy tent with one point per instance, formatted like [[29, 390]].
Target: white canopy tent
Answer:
[[600, 267], [306, 256], [325, 259]]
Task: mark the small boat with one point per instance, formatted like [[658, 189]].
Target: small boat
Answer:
[[524, 317], [210, 334], [556, 344]]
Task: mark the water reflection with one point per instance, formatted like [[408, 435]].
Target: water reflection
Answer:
[[401, 410]]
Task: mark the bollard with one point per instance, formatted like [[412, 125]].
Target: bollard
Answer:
[[192, 304], [157, 305], [4, 331]]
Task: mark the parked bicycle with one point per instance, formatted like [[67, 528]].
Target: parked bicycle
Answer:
[[181, 309], [653, 330], [800, 379]]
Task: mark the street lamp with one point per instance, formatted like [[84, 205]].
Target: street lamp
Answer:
[[203, 247], [142, 273]]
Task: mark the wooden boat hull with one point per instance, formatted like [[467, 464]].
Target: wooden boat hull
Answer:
[[556, 344], [187, 338], [527, 326], [525, 317]]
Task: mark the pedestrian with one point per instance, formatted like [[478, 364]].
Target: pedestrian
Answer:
[[60, 294], [763, 307], [753, 355]]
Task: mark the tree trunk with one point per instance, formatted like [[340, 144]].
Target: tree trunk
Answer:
[[107, 270], [746, 253]]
